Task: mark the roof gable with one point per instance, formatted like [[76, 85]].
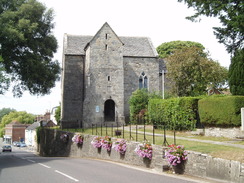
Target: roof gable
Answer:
[[105, 26]]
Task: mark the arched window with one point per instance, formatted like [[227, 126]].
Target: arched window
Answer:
[[143, 81]]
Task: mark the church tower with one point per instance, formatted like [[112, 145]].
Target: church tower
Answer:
[[104, 79], [99, 75]]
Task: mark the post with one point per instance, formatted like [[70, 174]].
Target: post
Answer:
[[153, 135], [136, 132], [92, 129], [101, 130], [163, 84], [112, 130], [130, 130], [123, 131], [242, 118], [144, 129]]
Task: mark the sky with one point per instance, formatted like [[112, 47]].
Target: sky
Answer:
[[160, 20]]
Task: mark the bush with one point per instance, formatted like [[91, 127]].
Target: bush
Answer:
[[38, 134], [139, 103], [175, 113], [221, 111]]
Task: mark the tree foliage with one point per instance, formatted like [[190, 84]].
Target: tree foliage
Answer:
[[4, 79], [22, 117], [236, 73], [5, 111], [191, 72], [27, 46], [230, 14], [221, 111], [175, 113], [58, 114], [139, 101], [168, 48]]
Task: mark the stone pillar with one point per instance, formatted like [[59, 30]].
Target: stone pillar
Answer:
[[242, 118]]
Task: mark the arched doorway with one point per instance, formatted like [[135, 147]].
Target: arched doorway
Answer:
[[109, 110]]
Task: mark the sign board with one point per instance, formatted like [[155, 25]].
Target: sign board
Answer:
[[97, 108]]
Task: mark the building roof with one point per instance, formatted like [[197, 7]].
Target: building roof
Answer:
[[133, 46], [15, 124], [33, 126]]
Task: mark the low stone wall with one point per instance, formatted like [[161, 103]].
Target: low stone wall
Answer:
[[224, 132], [197, 165], [203, 165]]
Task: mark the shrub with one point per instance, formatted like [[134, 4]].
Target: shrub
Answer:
[[221, 111], [139, 103], [175, 113], [38, 134]]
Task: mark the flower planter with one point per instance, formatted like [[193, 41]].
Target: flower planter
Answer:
[[117, 132], [179, 168], [64, 137], [177, 157]]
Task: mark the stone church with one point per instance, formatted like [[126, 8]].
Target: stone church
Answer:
[[100, 73]]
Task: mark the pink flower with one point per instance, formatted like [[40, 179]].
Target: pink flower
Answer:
[[144, 150]]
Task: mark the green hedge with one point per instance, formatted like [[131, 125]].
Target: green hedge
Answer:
[[221, 111], [175, 113]]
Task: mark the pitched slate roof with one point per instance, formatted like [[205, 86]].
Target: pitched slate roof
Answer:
[[133, 46], [74, 45], [138, 46], [33, 126]]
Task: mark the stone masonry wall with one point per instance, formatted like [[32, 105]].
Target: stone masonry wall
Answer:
[[72, 89], [133, 67], [198, 164], [106, 77], [224, 132]]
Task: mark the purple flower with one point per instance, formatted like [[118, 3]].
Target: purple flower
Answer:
[[120, 146], [107, 143], [144, 150], [176, 154], [78, 139], [97, 142]]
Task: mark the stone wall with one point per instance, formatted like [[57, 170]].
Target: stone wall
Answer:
[[133, 68], [224, 132], [198, 164], [72, 90], [105, 70]]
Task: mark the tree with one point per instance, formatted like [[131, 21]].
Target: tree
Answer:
[[230, 14], [27, 46], [5, 111], [22, 117], [236, 73], [191, 72], [168, 48], [139, 101], [58, 114], [4, 79]]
